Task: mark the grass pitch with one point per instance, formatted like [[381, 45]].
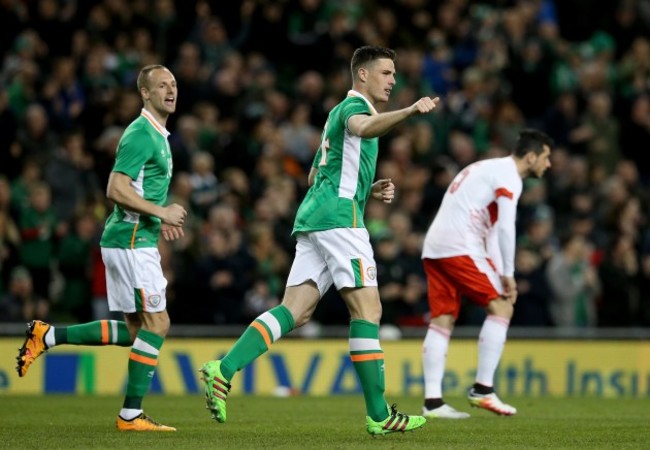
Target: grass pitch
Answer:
[[83, 422]]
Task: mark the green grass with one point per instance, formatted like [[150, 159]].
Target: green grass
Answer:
[[67, 422]]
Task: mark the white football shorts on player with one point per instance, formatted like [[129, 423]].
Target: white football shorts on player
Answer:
[[342, 256], [134, 280]]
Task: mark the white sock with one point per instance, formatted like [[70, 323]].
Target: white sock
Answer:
[[129, 414], [491, 341], [434, 359], [50, 340]]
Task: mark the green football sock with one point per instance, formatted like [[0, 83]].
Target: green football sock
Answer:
[[368, 360], [143, 360], [101, 332], [258, 337]]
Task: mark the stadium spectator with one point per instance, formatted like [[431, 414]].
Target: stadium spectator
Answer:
[[71, 177], [39, 232], [9, 246], [619, 275], [21, 186], [644, 269], [574, 283], [225, 273], [532, 290], [192, 76], [21, 303], [599, 132], [6, 205], [402, 289], [272, 262], [36, 140], [8, 148], [64, 95], [205, 186], [561, 118], [74, 258], [100, 86], [24, 74], [299, 136]]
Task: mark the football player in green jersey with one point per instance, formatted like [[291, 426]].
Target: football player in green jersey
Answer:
[[333, 245], [135, 283]]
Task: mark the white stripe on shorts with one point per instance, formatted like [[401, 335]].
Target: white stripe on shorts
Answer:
[[361, 344], [273, 324]]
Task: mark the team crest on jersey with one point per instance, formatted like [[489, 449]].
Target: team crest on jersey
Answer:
[[154, 300], [371, 272]]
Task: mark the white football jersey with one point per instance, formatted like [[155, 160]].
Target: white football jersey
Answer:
[[477, 215]]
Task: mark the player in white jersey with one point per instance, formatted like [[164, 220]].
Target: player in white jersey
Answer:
[[333, 246], [469, 250]]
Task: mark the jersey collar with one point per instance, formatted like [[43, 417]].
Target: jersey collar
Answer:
[[353, 93], [154, 123]]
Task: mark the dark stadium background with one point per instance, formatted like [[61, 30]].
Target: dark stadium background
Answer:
[[256, 80]]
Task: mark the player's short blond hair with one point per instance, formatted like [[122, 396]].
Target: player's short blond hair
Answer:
[[144, 75]]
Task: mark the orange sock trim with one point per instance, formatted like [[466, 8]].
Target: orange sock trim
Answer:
[[367, 357], [105, 337], [143, 359], [265, 334]]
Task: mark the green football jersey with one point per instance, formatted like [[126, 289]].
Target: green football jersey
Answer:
[[346, 169], [143, 154]]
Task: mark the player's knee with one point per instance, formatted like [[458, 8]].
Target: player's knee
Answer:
[[374, 316], [157, 323], [502, 308], [163, 328], [299, 312], [369, 314]]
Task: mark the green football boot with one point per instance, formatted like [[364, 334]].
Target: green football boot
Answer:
[[216, 389], [396, 421]]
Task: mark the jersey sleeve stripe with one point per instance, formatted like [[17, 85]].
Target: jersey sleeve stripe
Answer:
[[503, 192]]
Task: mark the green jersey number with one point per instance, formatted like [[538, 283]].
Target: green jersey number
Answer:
[[324, 147]]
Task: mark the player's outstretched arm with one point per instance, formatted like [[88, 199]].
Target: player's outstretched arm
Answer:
[[379, 124]]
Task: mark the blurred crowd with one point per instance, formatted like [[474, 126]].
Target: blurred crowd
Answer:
[[256, 80]]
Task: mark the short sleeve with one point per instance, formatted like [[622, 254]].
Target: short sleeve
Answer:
[[133, 152], [352, 107]]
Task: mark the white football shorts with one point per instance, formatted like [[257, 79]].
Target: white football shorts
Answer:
[[134, 280], [342, 256]]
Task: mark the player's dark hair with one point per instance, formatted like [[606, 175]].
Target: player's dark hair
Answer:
[[143, 76], [532, 140], [367, 53]]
